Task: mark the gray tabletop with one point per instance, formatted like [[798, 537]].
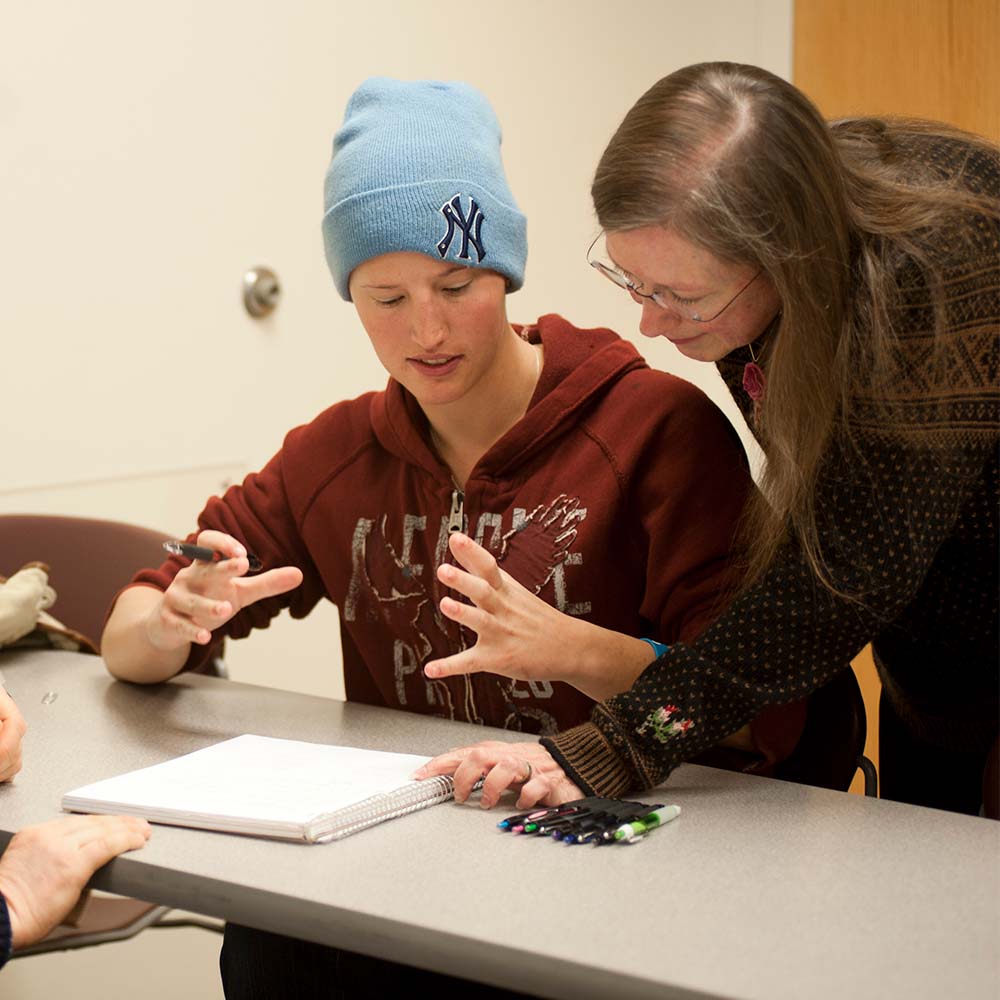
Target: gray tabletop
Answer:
[[761, 889]]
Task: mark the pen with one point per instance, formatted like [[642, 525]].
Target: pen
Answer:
[[537, 814], [518, 821], [594, 823], [561, 815], [608, 833], [532, 826], [602, 834], [635, 829], [204, 554], [528, 826], [559, 823]]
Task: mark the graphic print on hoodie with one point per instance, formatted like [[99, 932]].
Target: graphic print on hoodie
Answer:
[[615, 498]]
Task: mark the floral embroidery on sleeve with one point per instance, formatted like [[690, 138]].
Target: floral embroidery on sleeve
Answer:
[[665, 725]]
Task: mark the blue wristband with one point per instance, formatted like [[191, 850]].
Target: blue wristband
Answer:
[[659, 648]]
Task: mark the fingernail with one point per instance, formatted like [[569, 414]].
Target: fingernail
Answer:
[[417, 774]]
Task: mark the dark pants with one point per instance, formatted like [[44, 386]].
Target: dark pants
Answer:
[[258, 965], [922, 774]]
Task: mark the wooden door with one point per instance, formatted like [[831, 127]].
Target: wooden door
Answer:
[[926, 58]]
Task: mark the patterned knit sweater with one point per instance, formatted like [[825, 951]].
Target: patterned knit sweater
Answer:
[[5, 941], [907, 517]]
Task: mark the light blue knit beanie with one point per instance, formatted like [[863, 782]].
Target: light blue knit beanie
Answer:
[[416, 166]]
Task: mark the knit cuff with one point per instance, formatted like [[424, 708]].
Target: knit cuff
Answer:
[[6, 943], [590, 761]]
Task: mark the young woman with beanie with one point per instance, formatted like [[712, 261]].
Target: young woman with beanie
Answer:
[[845, 278]]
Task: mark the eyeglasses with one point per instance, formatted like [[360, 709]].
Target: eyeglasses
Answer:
[[689, 309]]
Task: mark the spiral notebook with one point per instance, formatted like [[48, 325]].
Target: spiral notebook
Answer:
[[267, 787]]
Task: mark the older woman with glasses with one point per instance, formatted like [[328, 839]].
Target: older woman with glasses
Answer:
[[844, 278]]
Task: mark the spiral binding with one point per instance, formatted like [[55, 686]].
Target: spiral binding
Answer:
[[378, 808]]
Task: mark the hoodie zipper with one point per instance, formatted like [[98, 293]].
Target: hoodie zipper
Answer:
[[456, 517]]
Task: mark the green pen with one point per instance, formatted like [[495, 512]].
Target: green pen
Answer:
[[634, 830]]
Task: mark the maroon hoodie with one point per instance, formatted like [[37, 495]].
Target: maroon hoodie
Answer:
[[615, 499]]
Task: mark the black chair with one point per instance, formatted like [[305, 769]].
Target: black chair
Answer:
[[831, 749], [991, 783]]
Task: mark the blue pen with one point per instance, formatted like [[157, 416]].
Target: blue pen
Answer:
[[596, 821], [602, 833], [559, 823]]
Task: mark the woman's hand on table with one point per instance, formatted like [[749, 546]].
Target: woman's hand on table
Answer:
[[526, 766]]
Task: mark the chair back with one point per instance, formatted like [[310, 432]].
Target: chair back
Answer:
[[991, 783], [833, 741], [90, 560]]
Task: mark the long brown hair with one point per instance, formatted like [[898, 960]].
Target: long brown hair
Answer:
[[740, 162]]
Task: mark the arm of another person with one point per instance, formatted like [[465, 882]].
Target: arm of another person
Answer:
[[687, 490], [45, 868], [519, 635], [788, 634], [12, 730], [687, 482], [154, 630]]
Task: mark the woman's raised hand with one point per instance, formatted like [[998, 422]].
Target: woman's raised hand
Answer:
[[522, 637], [519, 635], [205, 595]]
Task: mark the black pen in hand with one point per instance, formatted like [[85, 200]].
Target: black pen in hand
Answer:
[[205, 554]]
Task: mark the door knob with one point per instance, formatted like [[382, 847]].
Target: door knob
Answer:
[[261, 291]]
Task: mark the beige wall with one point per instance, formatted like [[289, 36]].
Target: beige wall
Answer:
[[151, 153]]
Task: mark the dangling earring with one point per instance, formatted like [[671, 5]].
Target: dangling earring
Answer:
[[754, 379]]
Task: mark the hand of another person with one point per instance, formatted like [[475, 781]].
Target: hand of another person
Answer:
[[205, 595], [504, 765], [45, 867], [12, 729], [519, 634]]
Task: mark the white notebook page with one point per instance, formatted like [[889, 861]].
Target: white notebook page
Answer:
[[259, 778]]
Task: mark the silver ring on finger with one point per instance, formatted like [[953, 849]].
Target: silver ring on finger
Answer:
[[529, 770]]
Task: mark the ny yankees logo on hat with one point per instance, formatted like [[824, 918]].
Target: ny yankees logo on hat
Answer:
[[470, 226]]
